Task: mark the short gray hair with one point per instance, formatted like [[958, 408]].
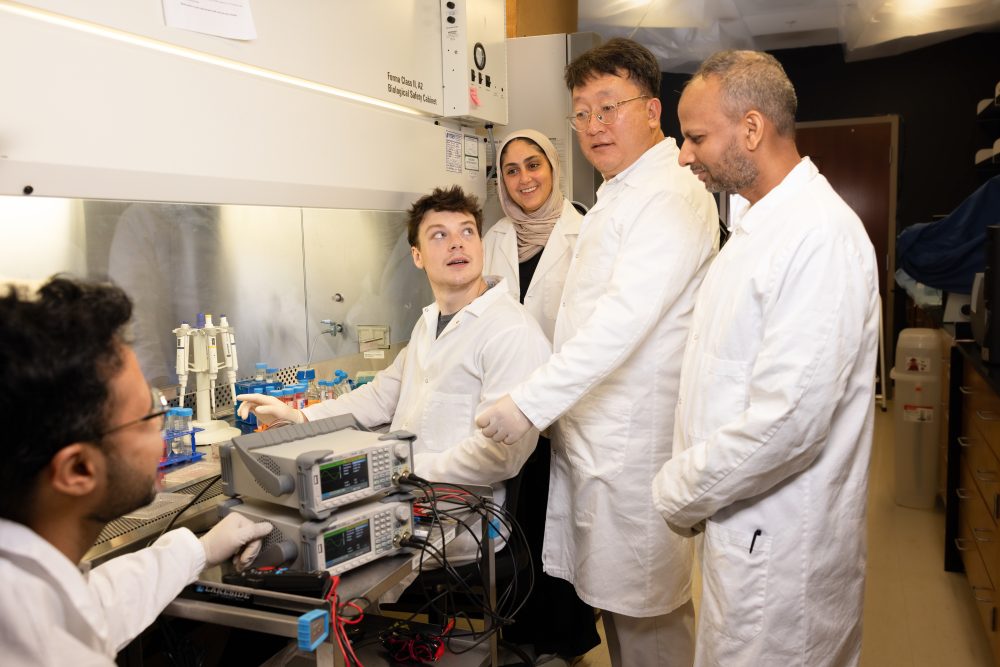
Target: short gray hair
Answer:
[[753, 80]]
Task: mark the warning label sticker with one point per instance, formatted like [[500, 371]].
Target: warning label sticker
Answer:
[[918, 413]]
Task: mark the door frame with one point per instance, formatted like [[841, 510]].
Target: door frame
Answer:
[[888, 304]]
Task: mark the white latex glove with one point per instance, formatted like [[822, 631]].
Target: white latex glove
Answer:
[[268, 409], [687, 531], [503, 421], [229, 536]]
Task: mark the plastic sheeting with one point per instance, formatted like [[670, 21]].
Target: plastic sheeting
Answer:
[[682, 33], [947, 253]]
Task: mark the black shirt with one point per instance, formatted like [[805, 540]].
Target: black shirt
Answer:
[[526, 270]]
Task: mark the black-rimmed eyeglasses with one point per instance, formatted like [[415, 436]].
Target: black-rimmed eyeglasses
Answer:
[[158, 408]]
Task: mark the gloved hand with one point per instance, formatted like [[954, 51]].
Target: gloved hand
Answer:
[[503, 421], [268, 409], [687, 531], [228, 536]]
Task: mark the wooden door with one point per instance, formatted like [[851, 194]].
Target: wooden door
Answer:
[[858, 157]]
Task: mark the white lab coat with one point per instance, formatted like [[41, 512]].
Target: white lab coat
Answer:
[[642, 251], [437, 386], [51, 614], [545, 291], [774, 430]]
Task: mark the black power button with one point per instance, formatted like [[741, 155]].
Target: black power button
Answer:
[[450, 5], [451, 19]]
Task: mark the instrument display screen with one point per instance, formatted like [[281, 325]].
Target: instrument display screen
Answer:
[[343, 476], [348, 542]]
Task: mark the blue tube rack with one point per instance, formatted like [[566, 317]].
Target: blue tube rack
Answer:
[[173, 459]]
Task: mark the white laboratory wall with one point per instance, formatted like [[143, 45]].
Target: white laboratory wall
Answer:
[[540, 101], [349, 45], [538, 97], [92, 116], [41, 238]]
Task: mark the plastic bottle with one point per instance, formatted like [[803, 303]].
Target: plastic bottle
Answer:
[[307, 377], [182, 426], [170, 425], [168, 420], [261, 371], [341, 385], [271, 379], [300, 396], [313, 395], [324, 390], [183, 419]]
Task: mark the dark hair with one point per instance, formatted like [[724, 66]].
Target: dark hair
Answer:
[[618, 56], [753, 80], [58, 350], [453, 199]]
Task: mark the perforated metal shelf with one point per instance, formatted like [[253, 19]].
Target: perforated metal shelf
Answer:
[[126, 534]]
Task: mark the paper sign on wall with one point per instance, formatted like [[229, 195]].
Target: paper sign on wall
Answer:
[[223, 18], [453, 151]]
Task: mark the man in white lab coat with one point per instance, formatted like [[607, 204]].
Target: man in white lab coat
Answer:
[[640, 256], [469, 347], [82, 441], [774, 420]]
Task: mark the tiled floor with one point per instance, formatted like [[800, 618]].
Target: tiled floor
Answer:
[[916, 614]]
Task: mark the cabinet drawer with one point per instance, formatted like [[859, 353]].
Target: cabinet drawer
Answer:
[[973, 379], [984, 470], [975, 571], [981, 409], [975, 514]]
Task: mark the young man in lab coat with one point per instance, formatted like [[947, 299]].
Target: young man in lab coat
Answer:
[[640, 256], [82, 440], [774, 420], [469, 347]]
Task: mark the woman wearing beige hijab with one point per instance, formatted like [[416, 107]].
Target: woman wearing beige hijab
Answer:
[[531, 248]]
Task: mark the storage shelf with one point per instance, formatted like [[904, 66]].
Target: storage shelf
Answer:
[[987, 159], [988, 110]]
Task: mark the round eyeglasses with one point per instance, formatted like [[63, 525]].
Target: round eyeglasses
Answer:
[[605, 115]]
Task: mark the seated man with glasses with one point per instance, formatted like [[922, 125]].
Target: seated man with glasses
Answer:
[[82, 440], [610, 387]]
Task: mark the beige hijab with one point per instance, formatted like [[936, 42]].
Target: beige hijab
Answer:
[[533, 229]]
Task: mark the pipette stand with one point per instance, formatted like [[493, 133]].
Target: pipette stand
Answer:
[[215, 430], [205, 368]]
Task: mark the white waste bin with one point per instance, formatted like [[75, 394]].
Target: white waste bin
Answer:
[[917, 409]]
